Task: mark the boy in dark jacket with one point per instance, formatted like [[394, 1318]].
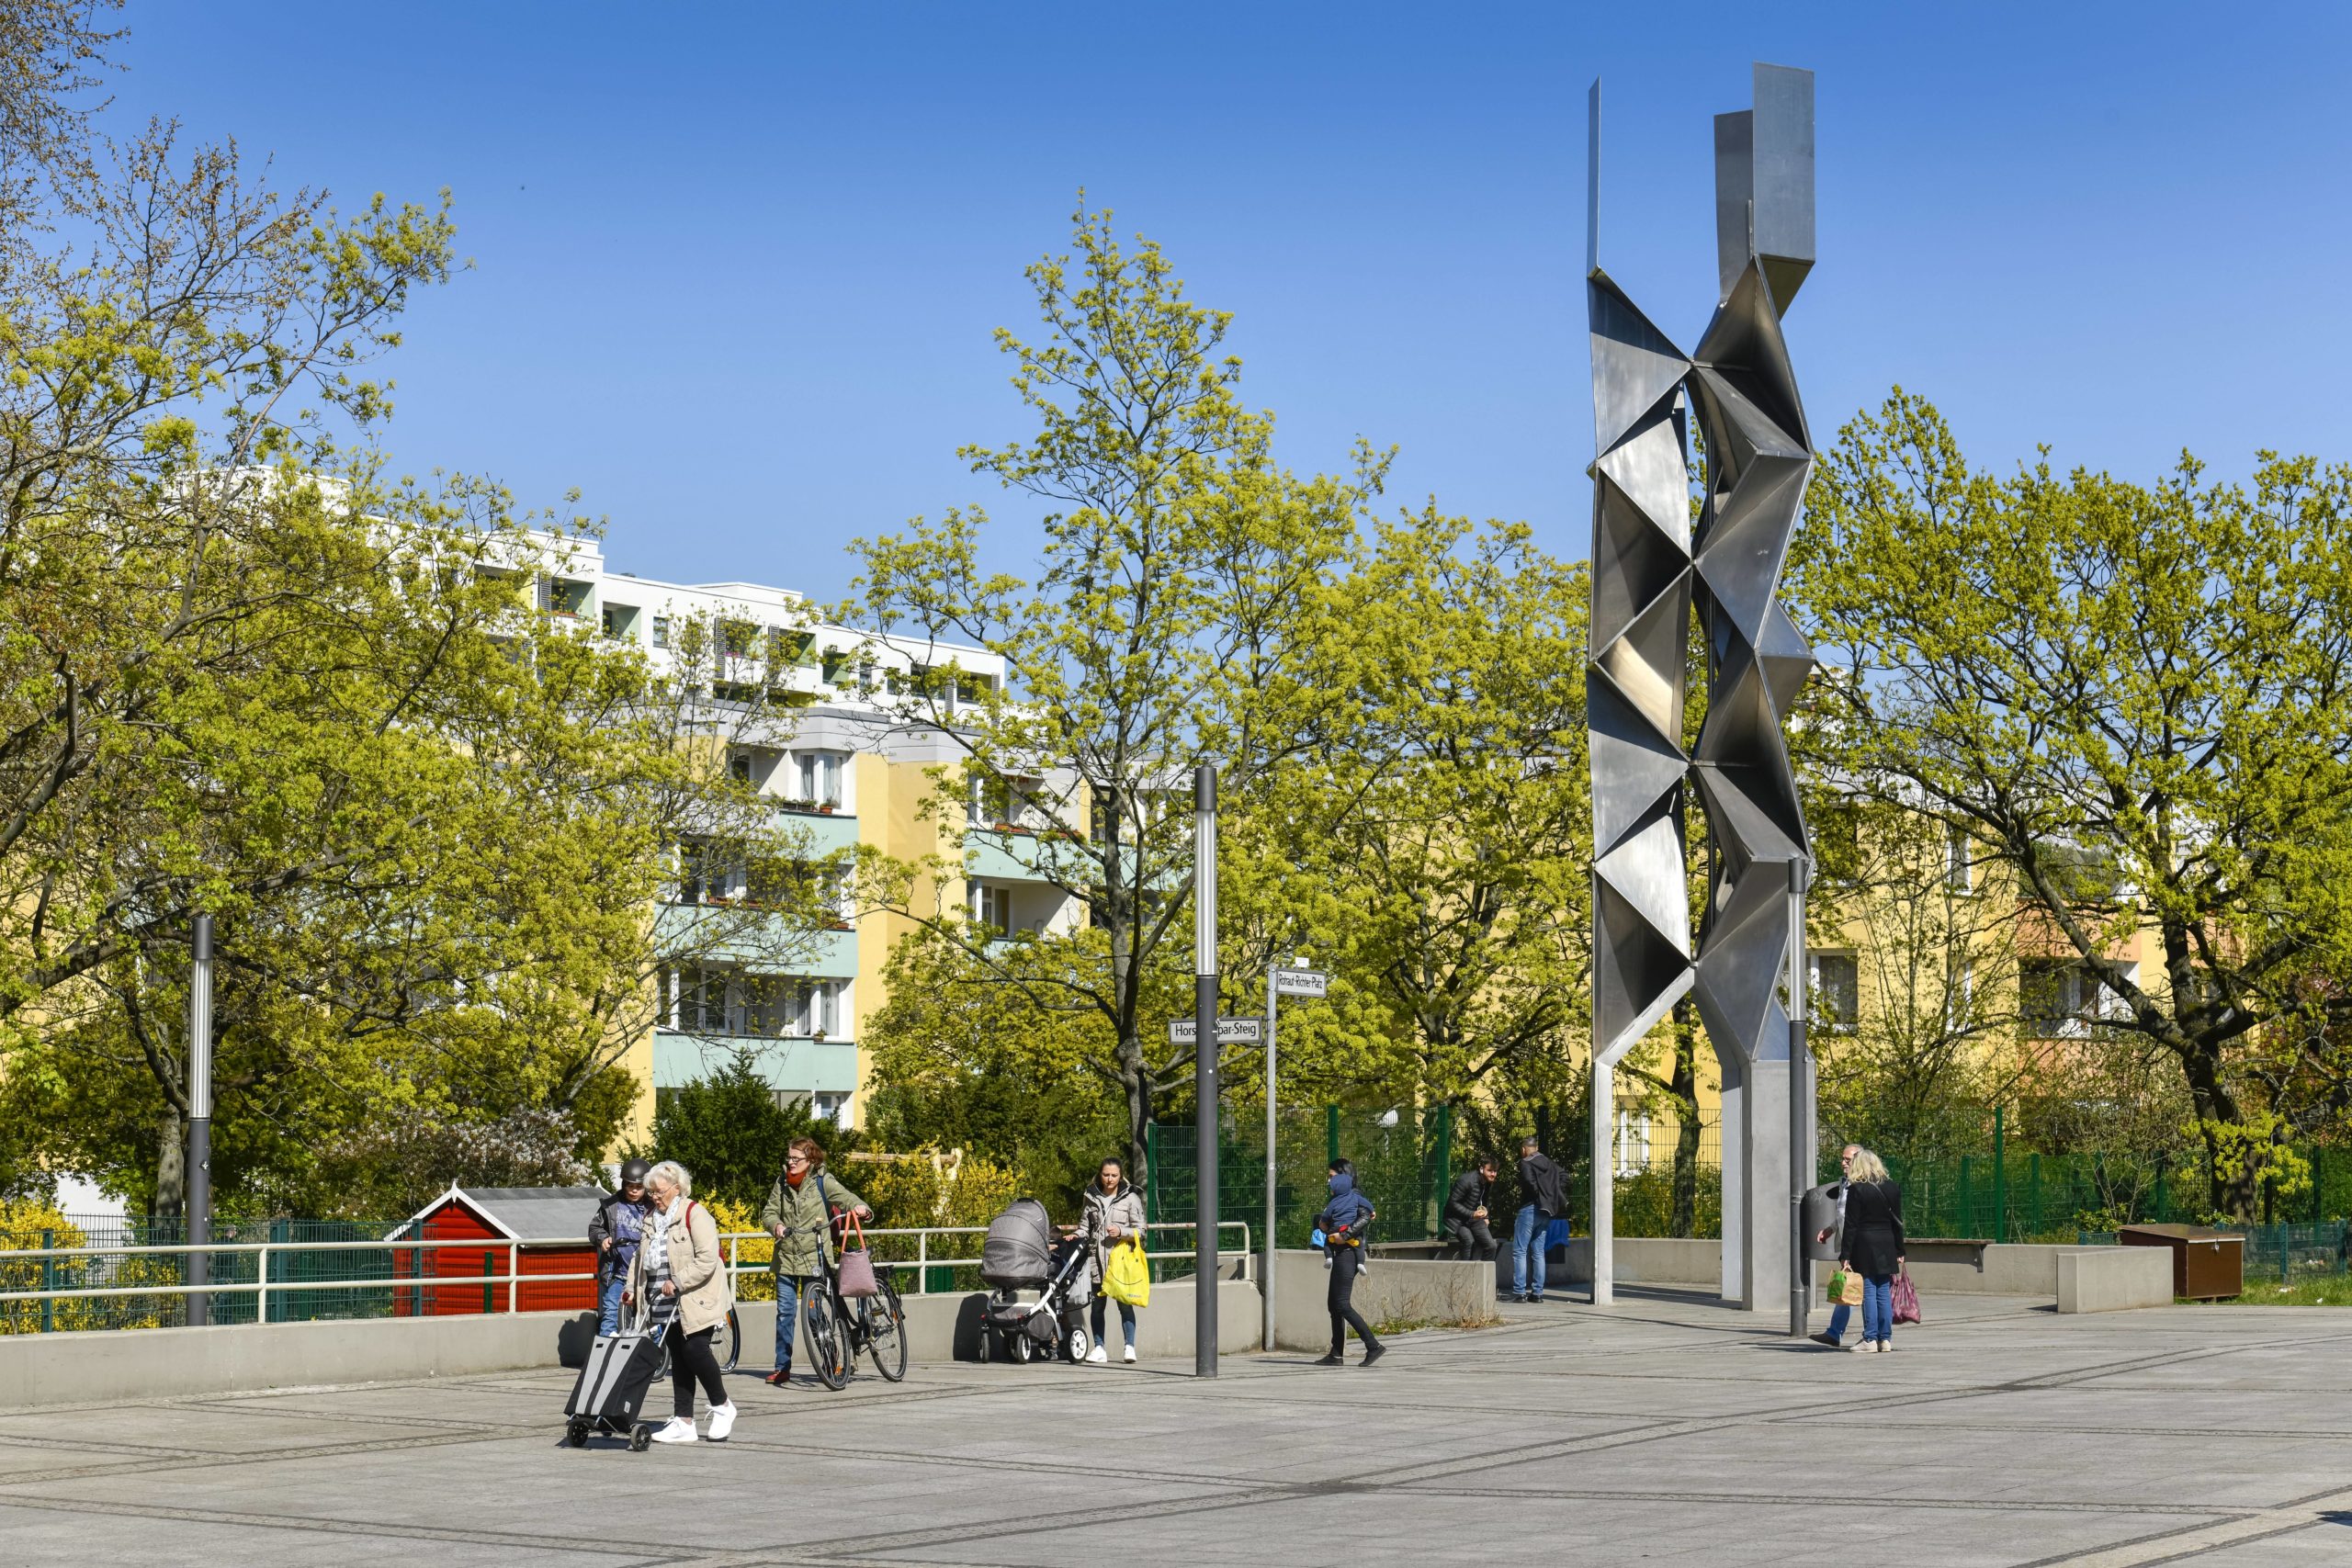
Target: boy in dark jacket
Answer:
[[614, 1233], [1344, 1222], [1543, 1195], [1465, 1209]]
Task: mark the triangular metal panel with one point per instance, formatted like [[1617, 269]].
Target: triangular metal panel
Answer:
[[1650, 659], [1633, 764], [1755, 834], [1646, 869], [1744, 959], [1633, 364], [1652, 470], [1746, 538], [1787, 658], [1744, 339], [1637, 973], [1633, 563]]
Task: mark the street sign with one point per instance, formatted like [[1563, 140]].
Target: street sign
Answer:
[[1230, 1030], [1302, 982]]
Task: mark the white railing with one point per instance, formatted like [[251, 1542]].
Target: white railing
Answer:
[[923, 1261], [262, 1287]]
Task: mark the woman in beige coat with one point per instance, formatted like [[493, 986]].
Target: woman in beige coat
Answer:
[[681, 1276]]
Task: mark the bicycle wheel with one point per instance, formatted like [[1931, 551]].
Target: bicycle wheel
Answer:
[[885, 1331], [727, 1345], [827, 1350]]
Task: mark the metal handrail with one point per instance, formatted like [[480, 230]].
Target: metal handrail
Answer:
[[263, 1286]]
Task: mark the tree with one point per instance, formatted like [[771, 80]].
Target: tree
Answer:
[[2138, 698], [1179, 611], [728, 1131]]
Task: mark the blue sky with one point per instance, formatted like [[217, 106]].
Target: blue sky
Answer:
[[736, 268]]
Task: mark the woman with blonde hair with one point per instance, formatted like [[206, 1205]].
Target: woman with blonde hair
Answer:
[[1873, 1243]]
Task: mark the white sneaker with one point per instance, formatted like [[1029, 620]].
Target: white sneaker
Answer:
[[1131, 1353], [679, 1430], [722, 1421], [1095, 1357]]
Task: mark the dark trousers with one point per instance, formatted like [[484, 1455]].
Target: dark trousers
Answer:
[[1345, 1261], [1473, 1238], [691, 1358], [1126, 1319]]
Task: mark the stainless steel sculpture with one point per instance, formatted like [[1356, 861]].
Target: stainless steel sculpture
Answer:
[[1650, 572]]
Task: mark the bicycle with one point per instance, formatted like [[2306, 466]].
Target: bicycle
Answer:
[[839, 1326]]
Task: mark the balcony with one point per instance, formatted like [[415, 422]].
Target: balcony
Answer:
[[754, 943], [801, 1066]]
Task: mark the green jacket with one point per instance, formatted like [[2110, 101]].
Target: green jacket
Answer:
[[802, 1214]]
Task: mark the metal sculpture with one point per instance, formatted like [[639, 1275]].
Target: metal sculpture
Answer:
[[1651, 572]]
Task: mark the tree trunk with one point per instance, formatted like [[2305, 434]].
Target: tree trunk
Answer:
[[2234, 1195], [1138, 1093], [1683, 1084], [170, 1165]]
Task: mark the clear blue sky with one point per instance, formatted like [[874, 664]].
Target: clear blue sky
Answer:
[[736, 268]]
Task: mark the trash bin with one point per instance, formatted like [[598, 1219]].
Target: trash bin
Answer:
[[2207, 1264], [1820, 1213]]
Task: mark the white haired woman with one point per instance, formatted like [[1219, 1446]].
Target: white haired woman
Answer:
[[1872, 1244], [680, 1277]]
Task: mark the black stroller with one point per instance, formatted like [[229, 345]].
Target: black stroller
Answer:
[[1022, 1253]]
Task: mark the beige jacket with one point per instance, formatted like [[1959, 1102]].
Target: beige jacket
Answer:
[[697, 1268]]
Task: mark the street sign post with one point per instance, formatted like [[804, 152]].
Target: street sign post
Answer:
[[1229, 1032], [1279, 983]]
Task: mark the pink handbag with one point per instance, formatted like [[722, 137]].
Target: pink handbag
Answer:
[[854, 1275], [1906, 1299]]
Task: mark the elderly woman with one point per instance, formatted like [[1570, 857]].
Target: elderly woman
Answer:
[[680, 1275]]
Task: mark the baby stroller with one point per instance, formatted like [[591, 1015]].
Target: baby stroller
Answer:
[[1022, 1253]]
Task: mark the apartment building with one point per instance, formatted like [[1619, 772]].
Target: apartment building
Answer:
[[821, 736]]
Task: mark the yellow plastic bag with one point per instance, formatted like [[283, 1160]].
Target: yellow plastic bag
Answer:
[[1126, 1276]]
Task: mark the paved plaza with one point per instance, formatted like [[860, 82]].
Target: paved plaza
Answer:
[[1664, 1429]]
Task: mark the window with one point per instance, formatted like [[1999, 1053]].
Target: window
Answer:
[[1960, 996], [706, 874], [1836, 992], [738, 767], [697, 1000], [820, 778], [1633, 1143], [2059, 998], [1959, 855], [661, 631], [992, 907], [620, 622], [735, 637]]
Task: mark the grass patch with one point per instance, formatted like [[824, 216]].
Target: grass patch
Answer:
[[2322, 1289], [1388, 1327]]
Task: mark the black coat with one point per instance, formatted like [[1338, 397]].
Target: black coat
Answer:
[[1541, 1183], [1873, 1235], [1466, 1197]]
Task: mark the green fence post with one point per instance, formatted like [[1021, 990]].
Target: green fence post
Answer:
[[280, 1231], [48, 1282], [486, 1286], [1444, 1168], [2000, 1179], [1151, 1176], [1331, 1133], [2033, 1177], [1966, 1221]]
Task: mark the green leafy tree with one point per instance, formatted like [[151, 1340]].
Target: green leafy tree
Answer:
[[2138, 698], [1179, 611], [730, 1131]]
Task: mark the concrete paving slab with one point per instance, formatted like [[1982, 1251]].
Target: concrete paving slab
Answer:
[[1663, 1429]]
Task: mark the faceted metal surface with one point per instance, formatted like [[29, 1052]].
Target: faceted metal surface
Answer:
[[1651, 574]]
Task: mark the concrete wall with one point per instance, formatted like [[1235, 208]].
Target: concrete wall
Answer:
[[1935, 1267], [939, 1328], [2114, 1278], [1392, 1290], [134, 1363]]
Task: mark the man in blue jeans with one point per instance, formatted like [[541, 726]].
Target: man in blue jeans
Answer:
[[614, 1233], [1544, 1191], [1840, 1314]]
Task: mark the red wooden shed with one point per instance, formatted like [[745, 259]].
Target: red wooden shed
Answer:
[[524, 1230]]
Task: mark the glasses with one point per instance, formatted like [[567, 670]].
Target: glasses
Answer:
[[796, 1159]]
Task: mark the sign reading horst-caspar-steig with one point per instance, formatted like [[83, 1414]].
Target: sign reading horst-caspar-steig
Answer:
[[1302, 983], [1230, 1030]]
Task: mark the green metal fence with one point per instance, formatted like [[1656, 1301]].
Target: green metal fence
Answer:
[[291, 1265], [1404, 1161]]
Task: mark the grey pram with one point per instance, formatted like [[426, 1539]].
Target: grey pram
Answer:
[[1023, 1253]]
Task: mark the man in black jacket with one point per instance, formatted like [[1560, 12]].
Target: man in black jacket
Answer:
[[1465, 1209], [1542, 1192]]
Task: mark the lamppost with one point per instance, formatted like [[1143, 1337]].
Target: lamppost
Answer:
[[199, 1122], [1205, 1055]]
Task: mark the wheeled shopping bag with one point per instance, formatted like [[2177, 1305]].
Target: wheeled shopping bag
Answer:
[[612, 1388]]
